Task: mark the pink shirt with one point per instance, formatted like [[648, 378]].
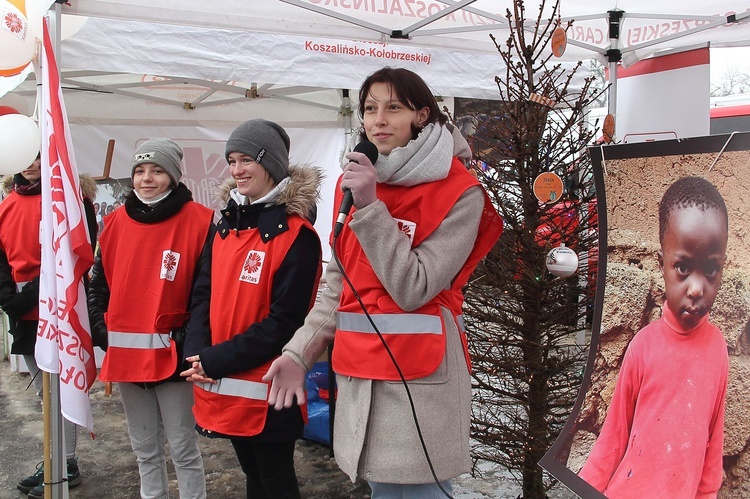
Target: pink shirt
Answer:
[[664, 431]]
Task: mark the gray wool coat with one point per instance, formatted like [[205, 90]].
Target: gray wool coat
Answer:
[[374, 435]]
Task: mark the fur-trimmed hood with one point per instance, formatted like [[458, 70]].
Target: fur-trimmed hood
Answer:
[[6, 183], [300, 196], [88, 185]]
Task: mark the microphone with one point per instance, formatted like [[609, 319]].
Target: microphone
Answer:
[[371, 151]]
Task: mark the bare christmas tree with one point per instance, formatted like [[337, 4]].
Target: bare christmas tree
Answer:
[[526, 326]]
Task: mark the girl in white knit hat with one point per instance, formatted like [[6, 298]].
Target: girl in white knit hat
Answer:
[[150, 251]]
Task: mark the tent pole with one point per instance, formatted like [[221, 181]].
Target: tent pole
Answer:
[[614, 56], [346, 112], [47, 452], [612, 94], [59, 488]]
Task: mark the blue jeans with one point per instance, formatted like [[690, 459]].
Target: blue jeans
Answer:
[[410, 491]]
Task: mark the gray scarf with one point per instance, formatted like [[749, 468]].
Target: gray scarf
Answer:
[[424, 159]]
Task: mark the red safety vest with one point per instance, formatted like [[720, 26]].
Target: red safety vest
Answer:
[[150, 269], [20, 217], [242, 274], [416, 338]]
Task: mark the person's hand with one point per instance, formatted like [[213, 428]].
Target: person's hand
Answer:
[[287, 381], [13, 306], [196, 373], [100, 335], [360, 177], [23, 302]]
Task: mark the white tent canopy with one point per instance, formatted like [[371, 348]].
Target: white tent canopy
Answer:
[[288, 50], [451, 24], [335, 43]]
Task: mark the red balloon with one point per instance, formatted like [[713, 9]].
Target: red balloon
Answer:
[[8, 110]]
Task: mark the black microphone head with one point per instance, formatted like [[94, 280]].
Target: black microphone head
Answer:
[[368, 149]]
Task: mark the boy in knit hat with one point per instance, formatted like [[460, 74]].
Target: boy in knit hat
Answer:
[[257, 290], [264, 141], [267, 144]]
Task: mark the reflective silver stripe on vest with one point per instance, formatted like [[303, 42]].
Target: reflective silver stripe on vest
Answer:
[[237, 388], [460, 323], [20, 285], [390, 323], [144, 341]]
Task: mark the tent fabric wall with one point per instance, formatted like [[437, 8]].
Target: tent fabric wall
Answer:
[[204, 166], [654, 94], [134, 99]]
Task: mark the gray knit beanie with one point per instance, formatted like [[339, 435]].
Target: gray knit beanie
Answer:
[[266, 142], [163, 152]]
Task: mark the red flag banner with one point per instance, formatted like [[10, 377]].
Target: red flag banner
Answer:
[[64, 343]]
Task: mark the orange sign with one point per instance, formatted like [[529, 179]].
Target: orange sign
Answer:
[[548, 187], [542, 99], [608, 128], [559, 41]]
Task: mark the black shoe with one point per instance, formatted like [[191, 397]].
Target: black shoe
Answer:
[[74, 475], [32, 481], [37, 492], [74, 480]]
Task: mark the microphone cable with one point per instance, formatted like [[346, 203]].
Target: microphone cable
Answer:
[[395, 364]]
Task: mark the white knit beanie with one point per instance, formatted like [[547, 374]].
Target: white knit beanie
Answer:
[[163, 152]]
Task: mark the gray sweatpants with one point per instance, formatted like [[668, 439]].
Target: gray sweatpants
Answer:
[[156, 416]]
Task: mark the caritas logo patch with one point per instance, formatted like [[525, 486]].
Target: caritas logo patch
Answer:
[[14, 24], [407, 227], [169, 262], [252, 267]]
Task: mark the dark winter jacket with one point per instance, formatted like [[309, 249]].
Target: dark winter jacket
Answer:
[[290, 300], [18, 303]]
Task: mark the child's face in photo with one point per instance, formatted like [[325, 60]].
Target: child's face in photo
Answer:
[[691, 260]]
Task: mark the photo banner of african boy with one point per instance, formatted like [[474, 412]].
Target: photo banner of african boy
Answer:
[[663, 402]]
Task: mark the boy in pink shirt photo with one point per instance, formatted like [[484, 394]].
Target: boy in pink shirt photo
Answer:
[[663, 434]]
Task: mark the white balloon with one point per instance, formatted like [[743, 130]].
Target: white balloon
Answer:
[[20, 141], [16, 39], [37, 9], [562, 261], [71, 25]]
